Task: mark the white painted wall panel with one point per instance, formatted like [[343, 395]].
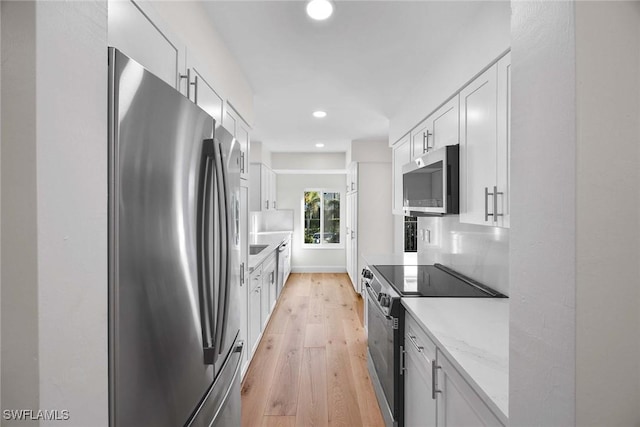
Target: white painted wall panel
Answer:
[[542, 237], [54, 209], [608, 213]]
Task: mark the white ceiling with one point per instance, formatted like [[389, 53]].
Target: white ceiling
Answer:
[[357, 66]]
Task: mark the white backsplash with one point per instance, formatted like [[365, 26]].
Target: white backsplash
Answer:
[[270, 221], [479, 252]]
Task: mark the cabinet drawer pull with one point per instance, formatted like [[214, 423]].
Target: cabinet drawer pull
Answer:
[[434, 383], [412, 338]]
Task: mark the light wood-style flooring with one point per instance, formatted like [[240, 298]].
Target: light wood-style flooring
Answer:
[[310, 368]]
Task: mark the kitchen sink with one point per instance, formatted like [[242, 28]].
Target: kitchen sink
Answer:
[[256, 249]]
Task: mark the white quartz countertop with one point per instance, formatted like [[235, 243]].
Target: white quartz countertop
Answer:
[[271, 238], [474, 335]]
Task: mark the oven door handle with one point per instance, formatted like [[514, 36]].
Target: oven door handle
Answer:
[[375, 302]]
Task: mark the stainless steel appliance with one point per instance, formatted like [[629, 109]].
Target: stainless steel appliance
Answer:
[[385, 285], [173, 257], [283, 254], [431, 183]]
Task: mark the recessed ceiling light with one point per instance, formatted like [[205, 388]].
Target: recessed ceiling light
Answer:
[[319, 145], [319, 9], [319, 114]]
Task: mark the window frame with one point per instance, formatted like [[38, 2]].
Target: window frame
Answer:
[[322, 245]]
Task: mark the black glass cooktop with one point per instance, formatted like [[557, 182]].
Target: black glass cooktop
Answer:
[[433, 281]]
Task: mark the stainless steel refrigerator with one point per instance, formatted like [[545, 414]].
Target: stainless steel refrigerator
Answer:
[[174, 194]]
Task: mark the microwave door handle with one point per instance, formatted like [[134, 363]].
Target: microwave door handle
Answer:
[[206, 292]]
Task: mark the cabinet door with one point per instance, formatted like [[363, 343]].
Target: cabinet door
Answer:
[[242, 135], [255, 307], [348, 241], [445, 124], [352, 177], [203, 94], [419, 406], [240, 129], [353, 237], [457, 403], [421, 138], [503, 148], [265, 188], [478, 103], [401, 156], [273, 190], [265, 304], [135, 31]]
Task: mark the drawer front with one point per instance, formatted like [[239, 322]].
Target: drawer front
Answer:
[[417, 338]]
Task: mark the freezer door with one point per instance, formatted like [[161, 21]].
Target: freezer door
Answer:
[[222, 405], [162, 273]]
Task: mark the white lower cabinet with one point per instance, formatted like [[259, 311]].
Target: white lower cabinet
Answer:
[[419, 354], [458, 404], [269, 280], [447, 401], [255, 308]]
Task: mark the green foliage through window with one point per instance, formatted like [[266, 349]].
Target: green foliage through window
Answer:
[[321, 217]]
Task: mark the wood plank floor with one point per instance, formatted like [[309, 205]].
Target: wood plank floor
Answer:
[[310, 369]]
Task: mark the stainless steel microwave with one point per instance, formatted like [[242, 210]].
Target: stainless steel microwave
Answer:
[[431, 183]]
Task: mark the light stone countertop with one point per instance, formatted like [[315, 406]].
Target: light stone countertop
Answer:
[[473, 333], [272, 238]]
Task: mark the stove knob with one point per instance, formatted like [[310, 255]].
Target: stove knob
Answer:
[[385, 301]]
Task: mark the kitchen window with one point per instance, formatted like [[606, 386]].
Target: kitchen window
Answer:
[[321, 218]]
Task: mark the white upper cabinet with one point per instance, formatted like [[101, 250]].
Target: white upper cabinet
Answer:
[[352, 177], [484, 152], [503, 149], [401, 156], [445, 124], [438, 130], [201, 90], [135, 31], [262, 188], [239, 128]]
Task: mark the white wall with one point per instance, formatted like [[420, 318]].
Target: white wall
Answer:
[[54, 208], [543, 182], [308, 161], [290, 196], [190, 21], [20, 369], [608, 213], [369, 151], [485, 39], [479, 252]]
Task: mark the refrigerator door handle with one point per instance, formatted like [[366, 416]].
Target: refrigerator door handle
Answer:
[[207, 321], [225, 259]]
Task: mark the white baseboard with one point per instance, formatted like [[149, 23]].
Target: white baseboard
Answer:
[[320, 269]]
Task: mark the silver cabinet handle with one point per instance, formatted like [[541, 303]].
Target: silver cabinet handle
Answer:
[[195, 89], [486, 203], [495, 213], [425, 141], [274, 204], [434, 383], [242, 162], [495, 203], [353, 234], [353, 186], [415, 343], [241, 273], [188, 77], [266, 204], [402, 360]]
